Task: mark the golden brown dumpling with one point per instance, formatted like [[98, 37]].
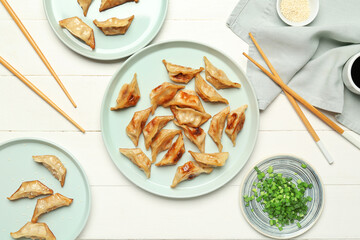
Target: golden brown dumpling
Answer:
[[190, 117], [106, 4], [153, 127], [217, 77], [217, 125], [138, 157], [30, 190], [48, 204], [79, 29], [34, 231], [180, 74], [195, 135], [114, 26], [207, 92], [162, 94], [186, 99], [137, 124], [189, 171], [174, 154], [162, 142], [84, 4], [235, 122], [54, 165], [210, 159], [129, 95]]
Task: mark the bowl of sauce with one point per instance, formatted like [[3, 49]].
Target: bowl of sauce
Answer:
[[351, 74]]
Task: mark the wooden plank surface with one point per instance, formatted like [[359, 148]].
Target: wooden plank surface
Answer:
[[120, 209]]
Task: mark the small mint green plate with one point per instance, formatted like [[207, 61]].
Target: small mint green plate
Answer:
[[289, 166], [149, 17], [150, 73], [17, 166]]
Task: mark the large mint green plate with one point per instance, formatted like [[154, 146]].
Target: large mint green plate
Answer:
[[149, 17], [17, 165], [151, 72]]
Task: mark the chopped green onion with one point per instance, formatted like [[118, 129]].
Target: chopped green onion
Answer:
[[303, 166], [282, 198]]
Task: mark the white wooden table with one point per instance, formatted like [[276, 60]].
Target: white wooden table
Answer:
[[123, 211]]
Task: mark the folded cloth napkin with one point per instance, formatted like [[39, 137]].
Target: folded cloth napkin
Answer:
[[309, 59]]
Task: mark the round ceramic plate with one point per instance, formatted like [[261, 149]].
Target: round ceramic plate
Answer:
[[17, 166], [150, 73], [149, 17], [289, 166]]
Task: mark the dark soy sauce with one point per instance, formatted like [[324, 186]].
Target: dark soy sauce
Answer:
[[355, 72]]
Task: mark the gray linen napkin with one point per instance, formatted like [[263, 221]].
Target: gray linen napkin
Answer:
[[309, 59]]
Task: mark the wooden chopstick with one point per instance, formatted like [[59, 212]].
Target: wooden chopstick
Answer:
[[36, 48], [38, 92], [319, 114], [296, 106]]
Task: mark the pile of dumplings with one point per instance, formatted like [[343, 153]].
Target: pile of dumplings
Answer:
[[188, 114], [32, 189], [112, 26]]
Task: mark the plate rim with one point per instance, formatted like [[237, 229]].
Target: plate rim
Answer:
[[82, 171], [105, 142], [46, 4], [261, 162]]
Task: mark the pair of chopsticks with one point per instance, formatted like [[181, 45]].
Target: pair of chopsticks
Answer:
[[38, 92], [45, 61], [292, 95]]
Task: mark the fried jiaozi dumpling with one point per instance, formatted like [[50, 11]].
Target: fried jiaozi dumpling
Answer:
[[190, 117], [189, 171], [137, 124], [79, 29], [180, 74], [235, 122], [218, 77], [34, 231], [153, 127], [186, 99], [207, 92], [54, 165], [162, 94], [84, 4], [174, 154], [114, 26], [138, 157], [106, 4], [162, 141], [217, 125], [210, 159], [48, 204], [195, 134], [129, 95], [30, 190]]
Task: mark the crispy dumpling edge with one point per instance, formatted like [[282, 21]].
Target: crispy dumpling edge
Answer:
[[36, 214], [136, 140], [126, 28], [136, 90], [50, 191], [90, 42], [211, 131], [222, 85], [199, 81], [178, 155]]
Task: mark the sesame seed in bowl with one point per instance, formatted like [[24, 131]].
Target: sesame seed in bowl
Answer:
[[297, 12]]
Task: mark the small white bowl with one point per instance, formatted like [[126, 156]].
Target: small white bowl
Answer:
[[346, 75], [314, 10]]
